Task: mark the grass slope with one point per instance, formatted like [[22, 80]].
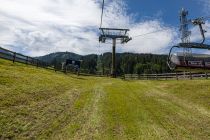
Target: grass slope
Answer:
[[41, 104]]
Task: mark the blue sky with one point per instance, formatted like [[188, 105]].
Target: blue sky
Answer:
[[39, 27], [167, 10]]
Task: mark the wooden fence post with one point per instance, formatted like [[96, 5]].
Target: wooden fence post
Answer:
[[37, 63], [177, 78], [27, 60], [206, 75], [14, 57], [156, 77], [66, 69], [190, 76]]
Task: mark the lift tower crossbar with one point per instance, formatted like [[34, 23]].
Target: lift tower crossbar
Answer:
[[114, 34]]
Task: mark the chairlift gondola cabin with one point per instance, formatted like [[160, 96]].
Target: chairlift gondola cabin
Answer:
[[178, 60], [184, 59]]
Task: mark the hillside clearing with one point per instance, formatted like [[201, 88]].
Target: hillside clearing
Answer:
[[41, 104]]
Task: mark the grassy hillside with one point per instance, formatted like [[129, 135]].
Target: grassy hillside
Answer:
[[41, 104]]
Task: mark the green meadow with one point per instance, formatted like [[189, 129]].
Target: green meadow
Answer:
[[41, 104]]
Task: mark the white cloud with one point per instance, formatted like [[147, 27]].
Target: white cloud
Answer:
[[157, 42], [39, 27]]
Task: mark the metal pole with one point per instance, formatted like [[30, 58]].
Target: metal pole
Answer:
[[113, 59]]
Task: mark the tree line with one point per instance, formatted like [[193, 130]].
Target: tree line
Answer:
[[126, 63]]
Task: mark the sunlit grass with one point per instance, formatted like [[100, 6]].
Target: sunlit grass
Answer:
[[41, 104]]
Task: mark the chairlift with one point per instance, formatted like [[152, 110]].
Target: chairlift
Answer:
[[182, 61]]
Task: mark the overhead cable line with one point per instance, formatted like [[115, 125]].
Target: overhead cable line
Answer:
[[145, 34], [207, 17], [102, 13], [140, 35], [149, 33]]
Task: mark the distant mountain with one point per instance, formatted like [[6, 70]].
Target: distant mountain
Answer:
[[60, 56]]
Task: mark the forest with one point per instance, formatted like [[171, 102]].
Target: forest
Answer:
[[126, 63]]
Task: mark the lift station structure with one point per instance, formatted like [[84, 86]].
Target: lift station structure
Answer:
[[115, 35]]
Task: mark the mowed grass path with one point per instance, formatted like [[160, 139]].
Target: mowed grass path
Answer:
[[41, 104]]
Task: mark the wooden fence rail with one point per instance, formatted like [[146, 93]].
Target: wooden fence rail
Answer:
[[167, 76], [17, 57]]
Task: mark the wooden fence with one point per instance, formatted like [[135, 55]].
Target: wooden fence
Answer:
[[167, 76], [17, 57]]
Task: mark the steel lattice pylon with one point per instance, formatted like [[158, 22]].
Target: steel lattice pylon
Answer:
[[185, 33]]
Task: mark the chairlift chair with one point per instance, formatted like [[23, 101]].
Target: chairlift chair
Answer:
[[182, 62]]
